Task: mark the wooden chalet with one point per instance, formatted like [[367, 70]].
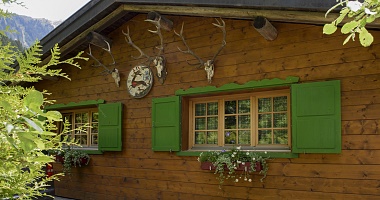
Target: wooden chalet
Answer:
[[277, 85]]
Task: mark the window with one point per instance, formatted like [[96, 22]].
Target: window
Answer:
[[303, 119], [255, 119], [84, 125], [103, 124]]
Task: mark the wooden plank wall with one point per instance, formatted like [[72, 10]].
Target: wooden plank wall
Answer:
[[300, 50]]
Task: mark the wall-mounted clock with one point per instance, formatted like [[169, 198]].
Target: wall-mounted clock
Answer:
[[140, 81]]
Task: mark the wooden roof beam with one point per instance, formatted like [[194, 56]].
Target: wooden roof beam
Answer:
[[244, 13]]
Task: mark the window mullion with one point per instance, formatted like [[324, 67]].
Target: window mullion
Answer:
[[254, 132], [192, 122], [272, 121], [221, 122]]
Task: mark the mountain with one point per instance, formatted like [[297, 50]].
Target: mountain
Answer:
[[26, 29]]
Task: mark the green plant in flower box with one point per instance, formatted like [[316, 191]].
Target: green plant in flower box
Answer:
[[73, 157], [228, 163]]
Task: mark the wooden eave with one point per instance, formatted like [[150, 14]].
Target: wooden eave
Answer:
[[105, 16]]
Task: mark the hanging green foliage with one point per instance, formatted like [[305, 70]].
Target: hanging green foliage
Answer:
[[358, 15]]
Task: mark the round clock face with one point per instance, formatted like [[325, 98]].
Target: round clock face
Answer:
[[140, 81]]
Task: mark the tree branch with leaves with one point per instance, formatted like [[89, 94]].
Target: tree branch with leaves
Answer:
[[358, 15], [27, 132]]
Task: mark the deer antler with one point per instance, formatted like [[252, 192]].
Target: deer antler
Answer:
[[157, 23], [188, 51], [129, 40], [209, 64], [222, 26], [114, 73], [107, 71], [158, 60]]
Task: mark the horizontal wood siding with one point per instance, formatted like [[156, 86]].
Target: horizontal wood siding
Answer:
[[299, 50]]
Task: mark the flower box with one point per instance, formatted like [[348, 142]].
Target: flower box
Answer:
[[209, 166], [59, 158], [83, 161]]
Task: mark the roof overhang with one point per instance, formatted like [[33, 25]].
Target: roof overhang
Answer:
[[105, 16]]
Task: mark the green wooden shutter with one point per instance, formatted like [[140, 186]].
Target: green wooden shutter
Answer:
[[166, 124], [110, 121], [316, 117]]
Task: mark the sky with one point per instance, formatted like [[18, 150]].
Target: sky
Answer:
[[54, 10]]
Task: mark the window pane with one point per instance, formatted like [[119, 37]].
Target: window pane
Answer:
[[265, 105], [200, 123], [212, 123], [78, 129], [244, 137], [81, 139], [95, 117], [200, 109], [281, 136], [230, 107], [265, 137], [280, 104], [212, 137], [230, 137], [94, 139], [94, 128], [200, 138], [244, 106], [280, 120], [265, 121], [67, 118], [244, 121], [212, 108], [78, 118], [230, 122], [85, 118]]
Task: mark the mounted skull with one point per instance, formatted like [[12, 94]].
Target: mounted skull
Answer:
[[158, 60], [209, 64], [159, 63]]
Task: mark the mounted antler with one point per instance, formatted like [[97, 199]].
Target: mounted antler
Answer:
[[114, 73], [159, 60], [188, 51], [209, 64]]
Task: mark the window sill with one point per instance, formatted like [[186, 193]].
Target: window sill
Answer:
[[270, 154], [89, 150]]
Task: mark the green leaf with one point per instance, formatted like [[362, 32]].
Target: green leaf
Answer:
[[329, 29], [42, 159], [370, 18], [48, 133], [35, 107], [349, 26], [27, 141], [352, 35], [365, 37], [6, 106], [342, 15], [32, 124], [34, 97], [54, 115], [40, 144]]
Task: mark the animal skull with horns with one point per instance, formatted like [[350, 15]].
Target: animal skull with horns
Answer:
[[209, 64], [104, 43], [158, 60]]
